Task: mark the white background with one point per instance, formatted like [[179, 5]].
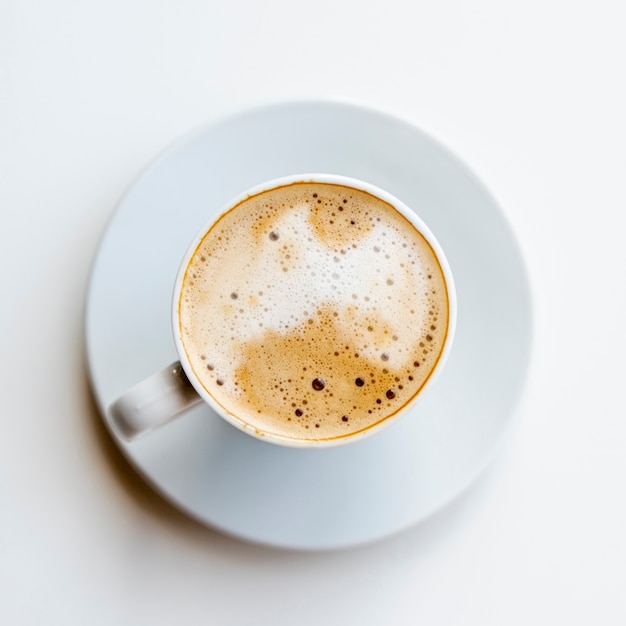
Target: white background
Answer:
[[532, 95]]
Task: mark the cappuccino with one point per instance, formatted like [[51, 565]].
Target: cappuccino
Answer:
[[313, 311]]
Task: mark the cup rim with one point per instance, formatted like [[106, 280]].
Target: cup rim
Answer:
[[283, 181]]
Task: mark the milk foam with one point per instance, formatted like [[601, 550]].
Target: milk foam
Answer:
[[313, 282]]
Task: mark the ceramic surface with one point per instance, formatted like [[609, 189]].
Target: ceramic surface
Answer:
[[326, 498]]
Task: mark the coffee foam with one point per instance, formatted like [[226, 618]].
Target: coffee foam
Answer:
[[313, 311]]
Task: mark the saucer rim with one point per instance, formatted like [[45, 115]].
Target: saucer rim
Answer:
[[225, 120]]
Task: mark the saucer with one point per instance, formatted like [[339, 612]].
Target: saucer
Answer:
[[332, 497]]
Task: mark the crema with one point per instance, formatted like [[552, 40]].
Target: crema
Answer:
[[313, 311]]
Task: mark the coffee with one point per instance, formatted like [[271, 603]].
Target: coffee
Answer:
[[313, 311]]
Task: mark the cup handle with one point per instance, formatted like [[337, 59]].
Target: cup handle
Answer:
[[153, 402]]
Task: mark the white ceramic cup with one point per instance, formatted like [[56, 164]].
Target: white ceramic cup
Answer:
[[168, 393]]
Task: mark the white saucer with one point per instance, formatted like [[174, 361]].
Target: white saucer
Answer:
[[337, 497]]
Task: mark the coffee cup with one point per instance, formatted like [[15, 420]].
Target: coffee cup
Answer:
[[314, 311]]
